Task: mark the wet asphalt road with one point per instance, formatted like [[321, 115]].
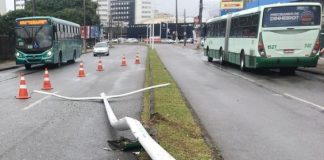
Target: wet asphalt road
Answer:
[[251, 115], [46, 127]]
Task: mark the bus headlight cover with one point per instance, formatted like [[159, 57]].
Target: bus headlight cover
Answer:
[[17, 54], [49, 53]]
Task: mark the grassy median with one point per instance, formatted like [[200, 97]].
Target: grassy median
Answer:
[[173, 124]]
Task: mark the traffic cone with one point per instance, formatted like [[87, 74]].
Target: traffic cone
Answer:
[[100, 67], [137, 60], [47, 83], [23, 92], [81, 71], [124, 61]]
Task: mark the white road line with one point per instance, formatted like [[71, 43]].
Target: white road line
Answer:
[[307, 102], [246, 78], [37, 102]]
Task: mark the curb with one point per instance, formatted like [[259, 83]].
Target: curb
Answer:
[[11, 67]]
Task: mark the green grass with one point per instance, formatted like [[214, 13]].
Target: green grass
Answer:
[[176, 129]]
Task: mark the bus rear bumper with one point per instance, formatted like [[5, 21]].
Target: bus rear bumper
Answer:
[[285, 62]]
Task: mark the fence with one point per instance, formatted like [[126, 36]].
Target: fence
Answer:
[[7, 48]]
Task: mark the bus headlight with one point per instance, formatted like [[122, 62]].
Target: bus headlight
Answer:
[[49, 53], [17, 54]]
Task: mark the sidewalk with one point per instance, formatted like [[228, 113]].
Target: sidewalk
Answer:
[[10, 64]]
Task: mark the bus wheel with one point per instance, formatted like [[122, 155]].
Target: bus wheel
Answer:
[[74, 58], [242, 62], [59, 64], [27, 66], [210, 59], [221, 57]]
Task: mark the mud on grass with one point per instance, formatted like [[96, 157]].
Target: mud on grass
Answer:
[[175, 128]]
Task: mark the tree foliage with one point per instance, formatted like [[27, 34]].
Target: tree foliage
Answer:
[[7, 21], [71, 10]]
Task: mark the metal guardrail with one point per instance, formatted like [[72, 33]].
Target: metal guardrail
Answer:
[[154, 150]]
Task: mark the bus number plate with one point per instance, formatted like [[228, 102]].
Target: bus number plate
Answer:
[[272, 46]]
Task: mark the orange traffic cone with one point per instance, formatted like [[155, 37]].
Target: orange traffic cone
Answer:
[[100, 67], [23, 92], [137, 60], [124, 61], [81, 71], [47, 83]]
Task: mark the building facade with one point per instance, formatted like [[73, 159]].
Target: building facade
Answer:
[[103, 11], [123, 11], [143, 11], [20, 4]]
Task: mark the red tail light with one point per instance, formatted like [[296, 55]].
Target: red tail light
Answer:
[[317, 46], [261, 46]]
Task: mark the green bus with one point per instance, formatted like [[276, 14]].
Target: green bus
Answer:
[[46, 40], [283, 35]]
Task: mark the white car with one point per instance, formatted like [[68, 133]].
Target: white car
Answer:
[[132, 40], [114, 41], [202, 42], [189, 40], [101, 48]]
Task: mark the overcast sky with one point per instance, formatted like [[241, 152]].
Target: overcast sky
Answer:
[[191, 6]]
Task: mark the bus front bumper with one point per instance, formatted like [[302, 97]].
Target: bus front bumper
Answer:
[[285, 62], [34, 58]]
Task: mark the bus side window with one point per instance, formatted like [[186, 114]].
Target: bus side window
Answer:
[[54, 32]]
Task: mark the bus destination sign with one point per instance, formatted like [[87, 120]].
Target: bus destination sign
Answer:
[[32, 22]]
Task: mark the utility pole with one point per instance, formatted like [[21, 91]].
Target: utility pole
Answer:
[[84, 27], [198, 31], [185, 28], [15, 7], [34, 7], [176, 22], [110, 28]]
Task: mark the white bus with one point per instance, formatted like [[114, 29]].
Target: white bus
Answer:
[[284, 35]]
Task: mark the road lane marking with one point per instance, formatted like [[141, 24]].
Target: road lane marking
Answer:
[[305, 101], [37, 102], [246, 78]]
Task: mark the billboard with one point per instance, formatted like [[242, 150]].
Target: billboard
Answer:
[[88, 32], [85, 32], [94, 32], [232, 4]]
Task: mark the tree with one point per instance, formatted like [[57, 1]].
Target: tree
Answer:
[[71, 10], [7, 21]]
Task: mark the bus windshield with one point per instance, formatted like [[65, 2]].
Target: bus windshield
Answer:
[[289, 16], [34, 37]]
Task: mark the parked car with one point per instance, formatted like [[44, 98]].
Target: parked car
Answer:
[[131, 40], [121, 40], [189, 40], [167, 41], [202, 42], [101, 48], [114, 41]]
